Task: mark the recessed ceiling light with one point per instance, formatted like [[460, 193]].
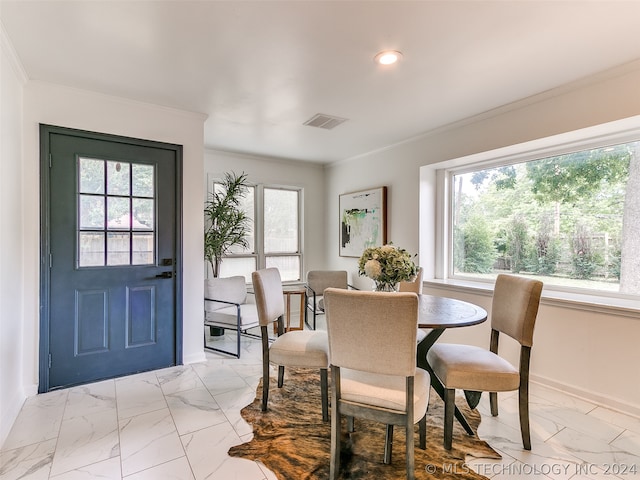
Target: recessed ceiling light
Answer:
[[387, 57]]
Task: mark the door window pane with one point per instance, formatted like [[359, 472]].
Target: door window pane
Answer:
[[118, 217], [91, 212], [91, 175], [118, 180], [118, 248], [142, 181], [280, 221], [143, 248], [91, 249], [142, 214]]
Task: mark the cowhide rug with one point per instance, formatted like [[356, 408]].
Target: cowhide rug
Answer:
[[292, 440]]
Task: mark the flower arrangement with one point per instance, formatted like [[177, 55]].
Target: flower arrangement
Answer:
[[386, 266]]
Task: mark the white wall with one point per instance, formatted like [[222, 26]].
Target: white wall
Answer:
[[12, 79], [271, 171], [589, 353], [66, 107]]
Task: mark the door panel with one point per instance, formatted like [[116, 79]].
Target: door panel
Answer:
[[112, 221]]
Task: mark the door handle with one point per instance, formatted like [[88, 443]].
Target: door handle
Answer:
[[165, 275]]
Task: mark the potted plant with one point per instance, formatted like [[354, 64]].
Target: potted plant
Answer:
[[226, 224]]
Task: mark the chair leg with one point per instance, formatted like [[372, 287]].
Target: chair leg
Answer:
[[265, 368], [280, 376], [523, 407], [493, 403], [351, 424], [410, 449], [449, 408], [388, 445], [422, 429], [324, 392], [334, 461]]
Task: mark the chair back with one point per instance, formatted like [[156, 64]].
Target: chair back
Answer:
[[414, 286], [228, 289], [269, 296], [515, 307], [372, 331], [319, 280]]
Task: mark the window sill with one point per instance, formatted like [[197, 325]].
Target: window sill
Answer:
[[619, 306]]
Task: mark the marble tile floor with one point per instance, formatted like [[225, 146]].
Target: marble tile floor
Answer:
[[178, 423]]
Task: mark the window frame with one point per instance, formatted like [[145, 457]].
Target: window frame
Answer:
[[258, 253], [436, 189]]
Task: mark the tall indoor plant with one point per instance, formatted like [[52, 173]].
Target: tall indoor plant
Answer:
[[226, 224]]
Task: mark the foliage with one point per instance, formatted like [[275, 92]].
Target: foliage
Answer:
[[518, 244], [584, 257], [476, 252], [387, 265], [547, 250], [575, 176], [532, 211], [226, 224]]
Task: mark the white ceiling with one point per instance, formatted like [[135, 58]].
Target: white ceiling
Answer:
[[260, 69]]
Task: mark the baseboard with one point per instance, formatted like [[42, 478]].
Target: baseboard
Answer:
[[197, 357], [10, 413], [588, 395]]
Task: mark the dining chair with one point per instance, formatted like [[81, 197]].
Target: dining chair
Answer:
[[514, 309], [373, 368], [317, 282], [227, 306], [299, 348], [412, 286]]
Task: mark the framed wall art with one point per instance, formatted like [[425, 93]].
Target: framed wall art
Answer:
[[363, 221]]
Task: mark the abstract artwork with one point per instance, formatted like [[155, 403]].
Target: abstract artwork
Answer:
[[363, 221]]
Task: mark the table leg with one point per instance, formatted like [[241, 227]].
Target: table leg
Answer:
[[302, 310], [288, 327], [421, 360]]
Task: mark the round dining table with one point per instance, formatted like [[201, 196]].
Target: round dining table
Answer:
[[438, 314]]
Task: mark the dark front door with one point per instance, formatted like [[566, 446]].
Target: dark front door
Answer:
[[108, 256]]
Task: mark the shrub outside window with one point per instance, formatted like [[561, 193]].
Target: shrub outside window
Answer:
[[572, 220]]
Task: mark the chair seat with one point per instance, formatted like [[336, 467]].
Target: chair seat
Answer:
[[227, 317], [386, 391], [472, 368], [301, 348]]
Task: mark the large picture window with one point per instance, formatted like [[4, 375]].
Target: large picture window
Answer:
[[275, 236], [571, 218]]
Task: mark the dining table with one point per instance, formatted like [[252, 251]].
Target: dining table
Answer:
[[438, 314]]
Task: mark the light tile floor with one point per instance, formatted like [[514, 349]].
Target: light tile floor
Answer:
[[178, 423]]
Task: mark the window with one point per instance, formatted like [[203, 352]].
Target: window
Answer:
[[564, 212], [275, 239], [116, 213]]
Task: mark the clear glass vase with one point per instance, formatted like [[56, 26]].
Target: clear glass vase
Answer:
[[386, 287]]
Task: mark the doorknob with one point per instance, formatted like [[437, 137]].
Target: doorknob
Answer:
[[165, 275]]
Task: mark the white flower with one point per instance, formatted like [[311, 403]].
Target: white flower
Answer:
[[372, 269]]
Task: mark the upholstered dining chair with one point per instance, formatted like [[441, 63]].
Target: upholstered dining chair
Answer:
[[300, 348], [317, 282], [514, 310], [373, 368], [414, 286]]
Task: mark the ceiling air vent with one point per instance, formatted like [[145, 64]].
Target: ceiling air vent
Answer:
[[324, 121]]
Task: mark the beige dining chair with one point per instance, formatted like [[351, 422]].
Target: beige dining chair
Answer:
[[300, 348], [373, 368], [317, 282], [514, 310], [414, 286]]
